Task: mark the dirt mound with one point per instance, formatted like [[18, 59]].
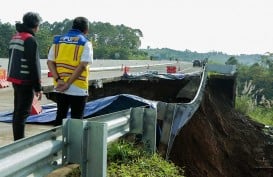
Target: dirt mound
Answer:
[[220, 142]]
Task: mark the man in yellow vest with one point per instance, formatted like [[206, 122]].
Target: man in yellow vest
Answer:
[[69, 59]]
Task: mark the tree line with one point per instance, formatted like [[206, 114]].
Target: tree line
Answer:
[[114, 42], [109, 41], [256, 80]]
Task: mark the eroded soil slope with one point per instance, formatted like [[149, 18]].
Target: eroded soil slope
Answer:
[[220, 142]]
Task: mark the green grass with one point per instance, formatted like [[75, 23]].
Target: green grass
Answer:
[[245, 105], [128, 160], [262, 115], [125, 159]]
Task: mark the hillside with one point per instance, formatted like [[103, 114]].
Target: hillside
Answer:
[[220, 142], [187, 55]]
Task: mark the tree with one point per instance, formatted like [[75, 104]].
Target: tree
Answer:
[[267, 61], [116, 42], [260, 78], [109, 41], [232, 61], [6, 32], [44, 39]]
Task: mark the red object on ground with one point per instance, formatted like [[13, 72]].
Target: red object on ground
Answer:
[[36, 107], [3, 83], [171, 69], [49, 74], [126, 70]]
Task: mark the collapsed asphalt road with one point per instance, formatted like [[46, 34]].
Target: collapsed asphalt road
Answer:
[[220, 142]]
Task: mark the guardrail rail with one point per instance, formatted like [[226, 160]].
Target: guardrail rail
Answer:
[[77, 141]]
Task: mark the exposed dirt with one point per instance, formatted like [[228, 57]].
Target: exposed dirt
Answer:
[[220, 142]]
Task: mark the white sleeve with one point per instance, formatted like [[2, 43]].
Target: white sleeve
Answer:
[[87, 54], [51, 54]]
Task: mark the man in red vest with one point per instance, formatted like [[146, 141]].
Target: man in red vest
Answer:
[[24, 71]]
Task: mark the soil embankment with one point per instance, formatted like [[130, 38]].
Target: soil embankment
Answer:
[[220, 142]]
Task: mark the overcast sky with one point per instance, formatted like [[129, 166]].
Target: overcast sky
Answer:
[[229, 26]]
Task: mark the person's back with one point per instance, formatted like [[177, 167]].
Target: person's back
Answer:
[[68, 61], [68, 57], [24, 65], [24, 70]]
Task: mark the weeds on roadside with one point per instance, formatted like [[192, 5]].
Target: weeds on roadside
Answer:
[[248, 103], [125, 159]]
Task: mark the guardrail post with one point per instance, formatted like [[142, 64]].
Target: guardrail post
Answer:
[[149, 130], [96, 163], [136, 116], [85, 143], [168, 118], [143, 121], [72, 141]]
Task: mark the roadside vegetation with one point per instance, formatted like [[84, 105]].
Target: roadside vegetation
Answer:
[[255, 89], [261, 114], [125, 159]]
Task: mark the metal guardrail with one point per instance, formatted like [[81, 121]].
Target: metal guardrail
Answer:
[[223, 69], [36, 155], [176, 115], [85, 141], [77, 141]]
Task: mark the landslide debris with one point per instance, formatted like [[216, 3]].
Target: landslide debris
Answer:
[[220, 142]]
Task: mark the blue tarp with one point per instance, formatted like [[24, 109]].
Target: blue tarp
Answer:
[[93, 108]]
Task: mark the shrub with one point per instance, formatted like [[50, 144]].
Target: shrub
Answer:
[[244, 104], [125, 159]]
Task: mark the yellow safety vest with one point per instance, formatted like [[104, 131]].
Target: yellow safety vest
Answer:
[[68, 52]]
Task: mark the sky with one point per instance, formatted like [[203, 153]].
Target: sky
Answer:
[[229, 26]]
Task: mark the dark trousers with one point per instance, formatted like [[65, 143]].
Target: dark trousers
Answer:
[[23, 97], [64, 102]]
